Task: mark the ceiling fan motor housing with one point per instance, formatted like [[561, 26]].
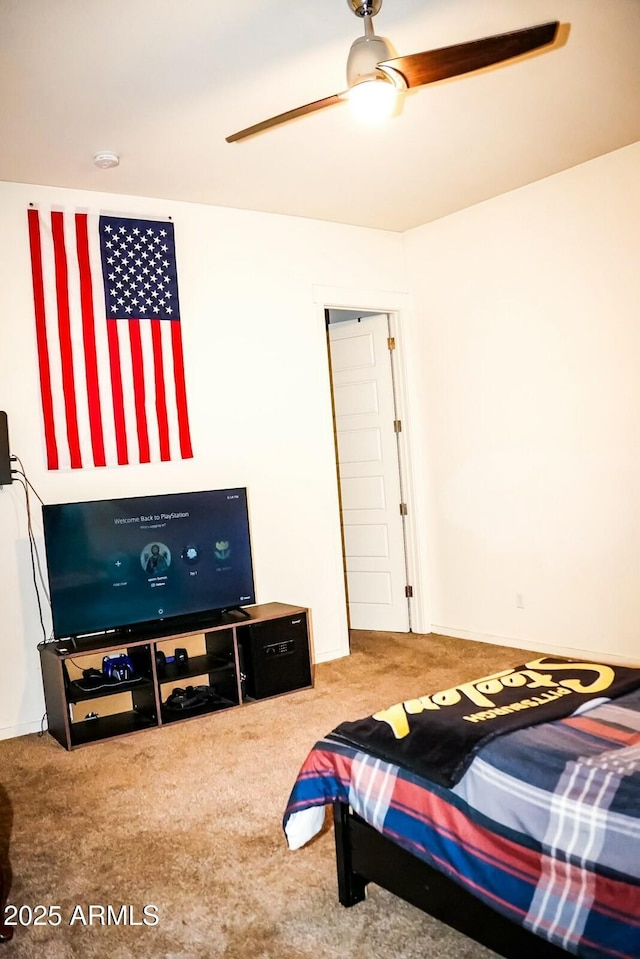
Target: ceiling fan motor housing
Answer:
[[364, 56]]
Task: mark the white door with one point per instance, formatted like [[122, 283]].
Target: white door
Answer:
[[369, 474]]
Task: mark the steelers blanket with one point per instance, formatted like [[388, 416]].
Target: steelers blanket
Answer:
[[436, 736]]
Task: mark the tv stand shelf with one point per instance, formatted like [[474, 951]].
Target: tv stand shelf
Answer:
[[262, 653], [77, 694]]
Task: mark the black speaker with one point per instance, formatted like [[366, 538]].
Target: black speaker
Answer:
[[5, 461], [275, 656]]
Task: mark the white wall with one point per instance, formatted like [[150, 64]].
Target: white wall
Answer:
[[527, 323], [258, 387]]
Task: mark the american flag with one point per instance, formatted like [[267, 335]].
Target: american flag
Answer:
[[109, 340]]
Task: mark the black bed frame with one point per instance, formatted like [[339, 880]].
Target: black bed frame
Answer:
[[364, 855]]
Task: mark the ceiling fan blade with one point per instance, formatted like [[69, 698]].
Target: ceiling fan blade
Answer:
[[285, 117], [420, 68]]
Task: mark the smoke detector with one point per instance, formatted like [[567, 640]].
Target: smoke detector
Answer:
[[106, 159]]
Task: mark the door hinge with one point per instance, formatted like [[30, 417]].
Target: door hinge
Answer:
[[397, 426], [408, 592], [391, 342], [403, 509]]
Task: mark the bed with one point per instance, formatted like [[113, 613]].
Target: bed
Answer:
[[530, 844]]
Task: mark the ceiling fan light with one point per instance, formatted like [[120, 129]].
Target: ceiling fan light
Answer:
[[373, 100]]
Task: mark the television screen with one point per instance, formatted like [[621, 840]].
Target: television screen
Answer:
[[137, 562]]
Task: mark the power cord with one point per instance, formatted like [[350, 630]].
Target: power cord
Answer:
[[36, 567]]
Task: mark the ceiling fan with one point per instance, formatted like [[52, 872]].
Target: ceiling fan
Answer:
[[372, 70]]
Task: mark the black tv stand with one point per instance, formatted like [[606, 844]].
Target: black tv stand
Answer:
[[246, 654]]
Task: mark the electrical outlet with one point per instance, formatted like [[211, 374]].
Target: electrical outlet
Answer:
[[519, 601]]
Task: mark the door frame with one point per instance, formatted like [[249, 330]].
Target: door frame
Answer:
[[397, 306]]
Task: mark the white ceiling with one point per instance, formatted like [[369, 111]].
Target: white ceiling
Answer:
[[162, 83]]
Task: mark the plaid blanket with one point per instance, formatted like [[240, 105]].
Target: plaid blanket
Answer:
[[544, 826]]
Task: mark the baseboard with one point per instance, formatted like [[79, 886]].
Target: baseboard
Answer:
[[572, 652], [337, 653], [10, 732]]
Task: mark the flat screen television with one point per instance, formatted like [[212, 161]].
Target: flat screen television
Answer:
[[147, 563]]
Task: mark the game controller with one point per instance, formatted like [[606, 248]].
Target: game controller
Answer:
[[119, 668], [190, 698]]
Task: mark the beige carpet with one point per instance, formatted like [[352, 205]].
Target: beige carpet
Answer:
[[188, 818]]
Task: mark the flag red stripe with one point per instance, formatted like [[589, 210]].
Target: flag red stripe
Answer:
[[41, 339], [117, 396], [89, 337], [64, 335], [138, 389], [161, 399], [181, 391]]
